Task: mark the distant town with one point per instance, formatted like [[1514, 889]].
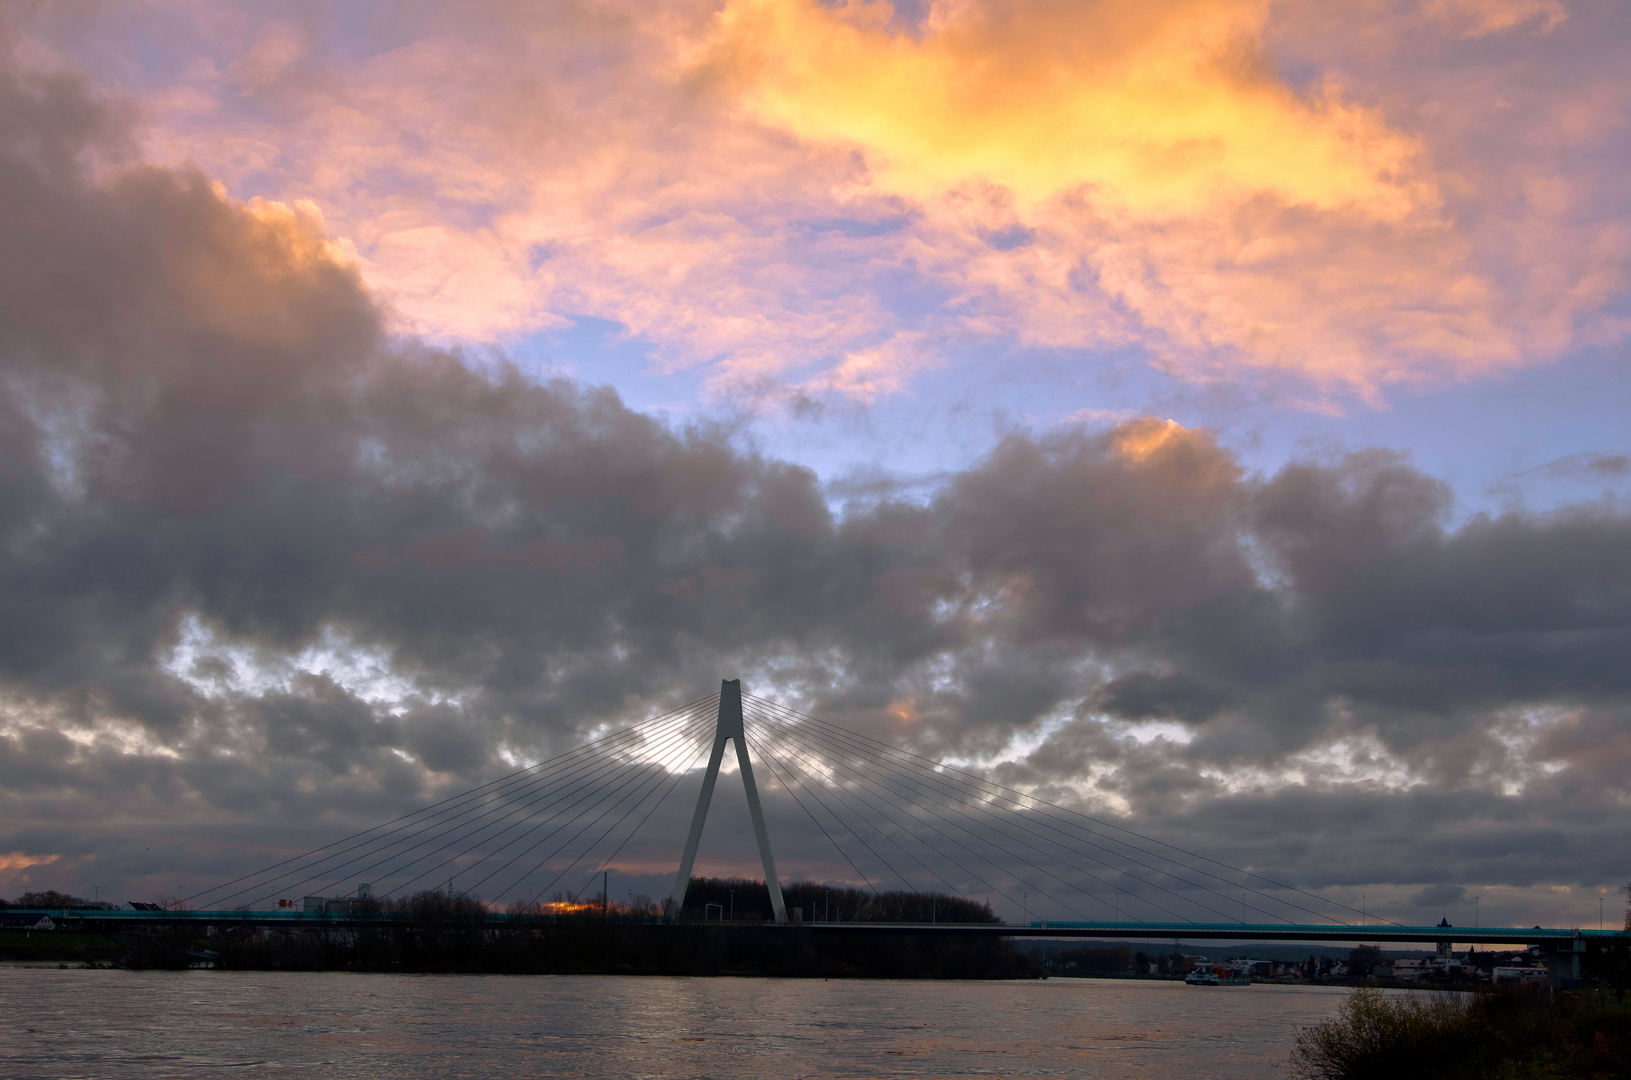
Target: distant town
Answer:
[[1364, 965]]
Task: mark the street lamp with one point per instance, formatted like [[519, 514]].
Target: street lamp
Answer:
[[1475, 913]]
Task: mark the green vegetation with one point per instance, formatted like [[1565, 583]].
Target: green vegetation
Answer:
[[1522, 1034]]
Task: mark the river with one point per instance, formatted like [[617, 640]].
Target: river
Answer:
[[136, 1025]]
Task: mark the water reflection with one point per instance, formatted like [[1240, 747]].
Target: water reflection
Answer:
[[60, 1024]]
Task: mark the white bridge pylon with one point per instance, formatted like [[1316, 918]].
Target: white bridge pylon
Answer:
[[729, 726]]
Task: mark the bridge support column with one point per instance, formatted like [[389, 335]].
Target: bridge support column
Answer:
[[1562, 960], [729, 726]]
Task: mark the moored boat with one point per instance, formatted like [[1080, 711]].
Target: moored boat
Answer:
[[1217, 976]]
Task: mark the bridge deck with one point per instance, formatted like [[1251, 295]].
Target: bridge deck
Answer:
[[1491, 935]]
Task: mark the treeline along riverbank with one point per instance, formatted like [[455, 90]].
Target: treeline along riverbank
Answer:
[[436, 932]]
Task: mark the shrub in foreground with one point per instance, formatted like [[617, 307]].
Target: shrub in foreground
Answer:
[[1520, 1034]]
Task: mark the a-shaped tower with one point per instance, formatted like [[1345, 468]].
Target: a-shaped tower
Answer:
[[729, 727]]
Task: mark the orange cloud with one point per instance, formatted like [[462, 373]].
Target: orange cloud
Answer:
[[18, 861], [766, 190], [1138, 439], [1154, 110]]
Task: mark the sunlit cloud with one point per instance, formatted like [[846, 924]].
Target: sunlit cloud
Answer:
[[1476, 18], [799, 199], [1146, 110]]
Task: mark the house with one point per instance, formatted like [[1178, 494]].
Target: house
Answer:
[[26, 921], [1411, 969], [1521, 974]]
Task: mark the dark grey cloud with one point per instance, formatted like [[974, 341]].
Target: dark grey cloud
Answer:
[[270, 569], [1591, 465]]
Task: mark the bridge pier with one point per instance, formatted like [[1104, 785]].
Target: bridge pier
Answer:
[[1562, 960], [729, 727]]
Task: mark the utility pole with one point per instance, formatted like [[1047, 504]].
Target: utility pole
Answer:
[[728, 728], [605, 892]]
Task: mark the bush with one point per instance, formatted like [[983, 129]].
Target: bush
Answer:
[[1522, 1033], [1374, 1035]]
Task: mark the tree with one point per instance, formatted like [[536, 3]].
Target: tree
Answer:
[[1364, 960], [50, 898]]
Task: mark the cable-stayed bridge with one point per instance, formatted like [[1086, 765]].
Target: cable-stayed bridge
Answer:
[[537, 841]]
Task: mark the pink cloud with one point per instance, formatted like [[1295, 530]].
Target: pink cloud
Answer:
[[719, 182]]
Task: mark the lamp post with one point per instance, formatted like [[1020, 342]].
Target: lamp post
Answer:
[[1475, 913], [1361, 909]]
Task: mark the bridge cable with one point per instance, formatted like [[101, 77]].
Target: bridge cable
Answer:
[[770, 763], [603, 750], [792, 735], [588, 782], [824, 752], [609, 757], [693, 731], [861, 792], [829, 745], [593, 790], [842, 793], [678, 776], [546, 763], [571, 839], [771, 749], [832, 744], [1009, 794], [1043, 819]]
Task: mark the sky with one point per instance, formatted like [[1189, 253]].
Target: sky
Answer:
[[1207, 413]]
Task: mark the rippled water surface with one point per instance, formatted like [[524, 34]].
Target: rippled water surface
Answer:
[[118, 1024]]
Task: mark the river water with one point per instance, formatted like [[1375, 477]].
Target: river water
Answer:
[[137, 1025]]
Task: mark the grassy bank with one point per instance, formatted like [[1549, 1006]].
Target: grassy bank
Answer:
[[29, 946], [1527, 1033]]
